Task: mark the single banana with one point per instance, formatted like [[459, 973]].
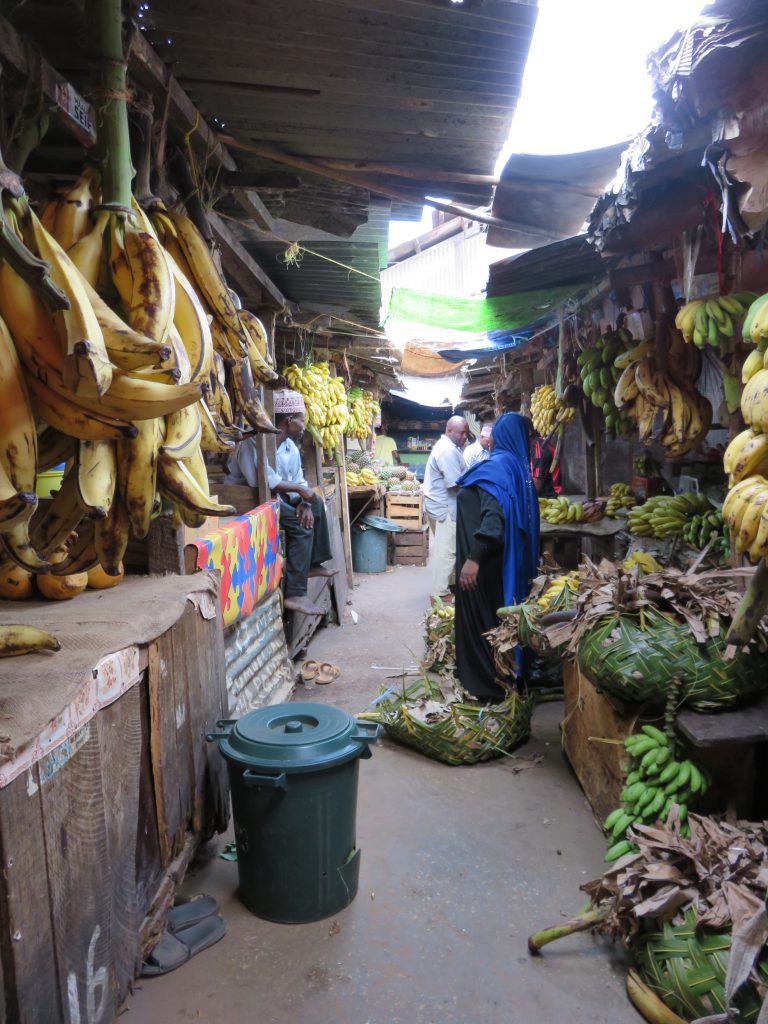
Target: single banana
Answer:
[[17, 640], [733, 451], [18, 435], [759, 547], [111, 536], [191, 322], [256, 340], [183, 430], [96, 475], [88, 252], [61, 517], [752, 459], [246, 398], [127, 349], [752, 364], [211, 440], [137, 475], [15, 506], [68, 418], [143, 279], [73, 211], [178, 484], [750, 521]]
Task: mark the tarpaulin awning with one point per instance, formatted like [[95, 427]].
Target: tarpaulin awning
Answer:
[[506, 312], [419, 361]]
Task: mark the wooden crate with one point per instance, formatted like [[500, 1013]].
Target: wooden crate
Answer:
[[405, 509], [411, 547]]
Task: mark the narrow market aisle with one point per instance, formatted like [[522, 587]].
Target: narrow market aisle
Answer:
[[459, 865]]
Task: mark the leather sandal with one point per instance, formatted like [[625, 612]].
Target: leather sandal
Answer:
[[309, 670], [327, 673]]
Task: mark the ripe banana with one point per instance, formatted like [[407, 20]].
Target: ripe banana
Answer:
[[111, 536], [18, 435], [96, 475], [17, 640], [143, 279], [178, 484], [137, 475]]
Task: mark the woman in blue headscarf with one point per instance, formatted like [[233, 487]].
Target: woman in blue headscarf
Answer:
[[497, 550]]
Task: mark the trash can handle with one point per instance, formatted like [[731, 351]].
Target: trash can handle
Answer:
[[369, 737], [222, 723], [252, 778]]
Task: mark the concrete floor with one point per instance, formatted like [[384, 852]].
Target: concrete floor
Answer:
[[459, 865]]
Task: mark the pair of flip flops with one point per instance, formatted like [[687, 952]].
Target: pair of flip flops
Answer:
[[319, 672], [193, 925]]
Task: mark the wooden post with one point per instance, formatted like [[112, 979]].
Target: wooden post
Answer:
[[266, 445], [526, 388], [346, 527]]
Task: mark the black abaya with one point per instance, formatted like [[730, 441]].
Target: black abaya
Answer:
[[480, 537]]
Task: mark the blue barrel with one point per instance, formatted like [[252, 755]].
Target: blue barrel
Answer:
[[369, 549]]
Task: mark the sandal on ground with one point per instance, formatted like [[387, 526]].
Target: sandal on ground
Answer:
[[309, 670], [175, 948], [187, 912], [327, 673]]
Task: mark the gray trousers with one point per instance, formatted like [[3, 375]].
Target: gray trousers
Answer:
[[303, 548]]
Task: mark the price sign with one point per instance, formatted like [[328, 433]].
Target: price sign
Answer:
[[77, 113]]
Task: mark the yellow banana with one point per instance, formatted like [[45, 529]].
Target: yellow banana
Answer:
[[111, 536], [18, 435], [61, 517], [15, 506], [759, 547], [18, 640], [737, 501], [70, 419], [127, 349], [73, 211], [750, 521], [178, 484], [246, 398], [206, 275], [87, 368], [752, 364], [88, 252], [53, 448], [143, 279], [752, 458], [211, 439], [20, 549], [754, 402], [182, 432], [191, 322], [258, 333], [137, 475], [256, 339], [733, 450], [96, 474]]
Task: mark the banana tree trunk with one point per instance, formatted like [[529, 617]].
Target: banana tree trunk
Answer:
[[112, 109]]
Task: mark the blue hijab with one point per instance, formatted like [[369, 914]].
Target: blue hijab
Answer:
[[506, 475]]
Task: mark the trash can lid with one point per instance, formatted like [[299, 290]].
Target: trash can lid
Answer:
[[295, 737]]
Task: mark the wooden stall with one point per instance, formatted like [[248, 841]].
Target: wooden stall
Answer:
[[107, 787]]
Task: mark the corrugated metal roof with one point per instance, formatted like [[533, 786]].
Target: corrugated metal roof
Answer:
[[571, 261], [430, 85]]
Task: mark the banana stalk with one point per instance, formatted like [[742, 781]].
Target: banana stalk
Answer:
[[114, 139], [751, 609], [583, 921]]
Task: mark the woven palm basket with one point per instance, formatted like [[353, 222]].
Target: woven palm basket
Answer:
[[469, 732], [687, 971], [637, 661]]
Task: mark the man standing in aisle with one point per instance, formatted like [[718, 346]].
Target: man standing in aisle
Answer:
[[302, 512], [480, 449], [444, 467]]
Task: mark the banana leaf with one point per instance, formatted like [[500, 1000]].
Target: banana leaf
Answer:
[[635, 657]]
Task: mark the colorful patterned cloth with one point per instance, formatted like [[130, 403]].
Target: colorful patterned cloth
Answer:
[[245, 553]]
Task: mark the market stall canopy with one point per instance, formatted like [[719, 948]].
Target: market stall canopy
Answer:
[[549, 197], [420, 361], [414, 97], [570, 262], [472, 315]]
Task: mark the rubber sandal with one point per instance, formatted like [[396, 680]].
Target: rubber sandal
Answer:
[[173, 950], [309, 671], [327, 673], [188, 912]]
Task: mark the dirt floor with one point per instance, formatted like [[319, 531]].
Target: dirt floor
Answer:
[[459, 865]]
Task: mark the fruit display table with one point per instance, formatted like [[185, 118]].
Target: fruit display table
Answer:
[[107, 786], [596, 540]]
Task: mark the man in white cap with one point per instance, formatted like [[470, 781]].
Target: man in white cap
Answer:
[[480, 449], [302, 512], [444, 467]]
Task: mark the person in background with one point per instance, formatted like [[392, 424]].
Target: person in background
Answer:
[[497, 551], [385, 449], [444, 467], [480, 449], [544, 468], [302, 512]]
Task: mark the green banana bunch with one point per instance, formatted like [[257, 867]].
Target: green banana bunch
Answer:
[[600, 369], [666, 515], [560, 510], [656, 781], [699, 530], [712, 321]]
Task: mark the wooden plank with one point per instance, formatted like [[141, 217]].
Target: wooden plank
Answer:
[[118, 729], [31, 983], [165, 550], [411, 559], [80, 875], [251, 204], [148, 69], [411, 537], [589, 719], [241, 266], [339, 581], [149, 858], [734, 728], [185, 659], [303, 627], [162, 737], [411, 551], [346, 526]]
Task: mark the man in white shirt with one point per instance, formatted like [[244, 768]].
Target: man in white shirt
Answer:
[[480, 449], [302, 512], [444, 467]]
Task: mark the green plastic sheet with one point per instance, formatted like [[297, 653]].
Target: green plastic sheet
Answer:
[[507, 312]]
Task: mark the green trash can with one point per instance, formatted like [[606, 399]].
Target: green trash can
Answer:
[[293, 772]]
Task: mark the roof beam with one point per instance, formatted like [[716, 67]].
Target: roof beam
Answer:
[[242, 267]]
